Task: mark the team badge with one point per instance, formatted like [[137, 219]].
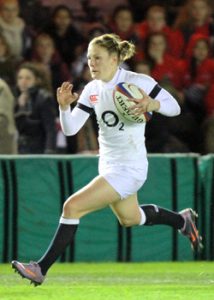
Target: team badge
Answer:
[[93, 99]]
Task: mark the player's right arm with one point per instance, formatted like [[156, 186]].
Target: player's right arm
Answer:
[[65, 96], [71, 121]]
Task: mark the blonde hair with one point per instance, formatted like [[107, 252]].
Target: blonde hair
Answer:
[[113, 44]]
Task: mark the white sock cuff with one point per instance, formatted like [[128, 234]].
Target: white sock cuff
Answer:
[[69, 221], [143, 216]]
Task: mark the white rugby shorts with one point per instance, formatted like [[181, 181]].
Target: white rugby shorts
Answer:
[[126, 180]]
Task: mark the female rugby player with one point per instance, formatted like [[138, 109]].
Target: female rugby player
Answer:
[[122, 154]]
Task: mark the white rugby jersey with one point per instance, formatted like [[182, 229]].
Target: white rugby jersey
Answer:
[[120, 141]]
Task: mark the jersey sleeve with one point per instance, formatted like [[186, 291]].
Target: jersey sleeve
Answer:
[[72, 121], [168, 104]]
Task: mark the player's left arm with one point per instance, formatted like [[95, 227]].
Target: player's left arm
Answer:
[[168, 104], [158, 100], [154, 98]]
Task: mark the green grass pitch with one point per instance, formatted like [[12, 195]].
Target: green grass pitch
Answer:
[[114, 281]]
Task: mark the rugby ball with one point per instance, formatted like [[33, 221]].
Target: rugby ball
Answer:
[[121, 94]]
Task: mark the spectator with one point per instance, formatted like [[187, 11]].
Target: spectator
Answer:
[[14, 29], [166, 70], [106, 8], [156, 23], [82, 8], [160, 138], [67, 38], [7, 62], [198, 73], [34, 111], [35, 14], [195, 17], [198, 84], [44, 52], [140, 7], [8, 144], [164, 67], [123, 25]]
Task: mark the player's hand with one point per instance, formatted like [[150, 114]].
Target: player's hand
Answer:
[[65, 96], [146, 104]]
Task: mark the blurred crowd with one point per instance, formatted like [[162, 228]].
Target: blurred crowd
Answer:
[[43, 43]]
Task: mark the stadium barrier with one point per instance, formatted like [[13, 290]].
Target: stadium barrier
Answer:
[[34, 188]]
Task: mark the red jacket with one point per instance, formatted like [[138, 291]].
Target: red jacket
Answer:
[[169, 69], [204, 29], [174, 38], [204, 73], [204, 76]]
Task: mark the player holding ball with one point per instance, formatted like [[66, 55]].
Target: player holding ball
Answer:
[[122, 154]]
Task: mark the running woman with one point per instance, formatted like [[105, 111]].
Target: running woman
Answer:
[[122, 153]]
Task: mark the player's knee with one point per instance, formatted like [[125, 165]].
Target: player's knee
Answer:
[[70, 207]]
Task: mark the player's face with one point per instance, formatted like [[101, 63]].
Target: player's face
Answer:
[[102, 65], [25, 79]]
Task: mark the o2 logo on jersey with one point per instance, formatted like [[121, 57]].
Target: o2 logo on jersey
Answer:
[[111, 119]]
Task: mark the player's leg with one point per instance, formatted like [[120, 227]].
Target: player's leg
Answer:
[[184, 221], [156, 215], [96, 195], [130, 213]]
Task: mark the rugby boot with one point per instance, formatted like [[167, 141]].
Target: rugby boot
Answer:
[[31, 271], [190, 230]]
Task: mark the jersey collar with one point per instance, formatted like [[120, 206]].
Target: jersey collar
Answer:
[[115, 79]]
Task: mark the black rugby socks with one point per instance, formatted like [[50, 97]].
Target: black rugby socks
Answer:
[[157, 215], [62, 238]]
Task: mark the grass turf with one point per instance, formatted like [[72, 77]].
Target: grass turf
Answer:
[[114, 281]]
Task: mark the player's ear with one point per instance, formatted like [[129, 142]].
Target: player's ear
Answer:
[[114, 57]]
